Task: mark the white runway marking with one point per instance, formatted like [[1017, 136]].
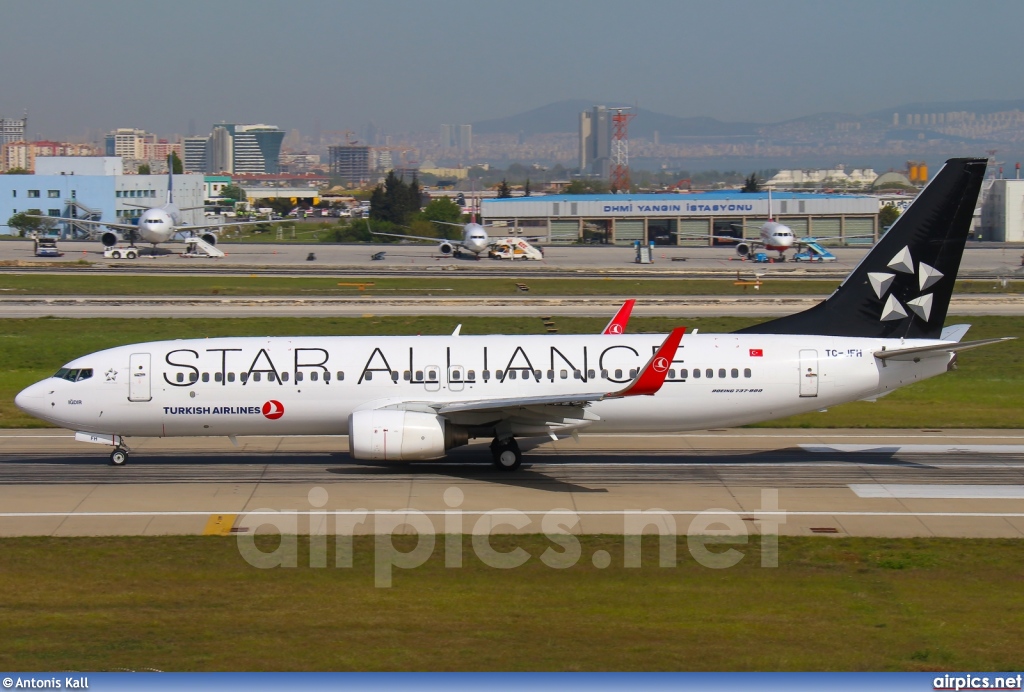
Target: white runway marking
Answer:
[[938, 492], [914, 449], [502, 511]]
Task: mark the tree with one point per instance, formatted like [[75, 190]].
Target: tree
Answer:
[[887, 216], [18, 170], [26, 225], [395, 201], [144, 169], [445, 210], [587, 186], [176, 164], [526, 188], [233, 192], [504, 191], [751, 184]]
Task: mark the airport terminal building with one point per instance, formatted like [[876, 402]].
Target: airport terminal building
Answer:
[[688, 219]]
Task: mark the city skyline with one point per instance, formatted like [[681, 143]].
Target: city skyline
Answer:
[[317, 65]]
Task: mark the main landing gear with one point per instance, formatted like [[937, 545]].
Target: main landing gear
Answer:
[[119, 457], [506, 454]]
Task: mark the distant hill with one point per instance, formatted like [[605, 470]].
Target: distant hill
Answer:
[[564, 116]]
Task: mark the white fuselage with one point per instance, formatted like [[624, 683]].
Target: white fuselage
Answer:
[[310, 385], [474, 238], [777, 236], [158, 224]]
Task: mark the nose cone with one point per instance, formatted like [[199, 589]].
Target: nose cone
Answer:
[[31, 399]]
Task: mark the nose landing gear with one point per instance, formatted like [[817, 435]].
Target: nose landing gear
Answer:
[[119, 457]]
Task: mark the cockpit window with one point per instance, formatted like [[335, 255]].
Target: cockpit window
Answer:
[[74, 375]]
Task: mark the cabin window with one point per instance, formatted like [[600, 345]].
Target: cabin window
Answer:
[[394, 376], [407, 376], [709, 373], [244, 377], [683, 373], [512, 374], [256, 376], [563, 374], [471, 375], [218, 377], [618, 373], [299, 376], [284, 376], [604, 374], [498, 374], [341, 375], [314, 376], [696, 373], [231, 377], [591, 374], [632, 373], [721, 372], [179, 377], [486, 374], [327, 377], [431, 375], [671, 373], [577, 374], [419, 375], [735, 372], [536, 375], [747, 373], [456, 374]]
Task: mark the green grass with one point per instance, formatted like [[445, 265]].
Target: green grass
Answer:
[[193, 604], [63, 284], [986, 391]]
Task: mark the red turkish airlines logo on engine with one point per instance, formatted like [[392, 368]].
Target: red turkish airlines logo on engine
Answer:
[[615, 329], [660, 364], [273, 409]]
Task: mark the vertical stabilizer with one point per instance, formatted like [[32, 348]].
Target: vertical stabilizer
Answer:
[[902, 287], [170, 179]]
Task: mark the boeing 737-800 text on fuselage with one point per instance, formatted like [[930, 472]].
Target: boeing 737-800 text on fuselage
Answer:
[[414, 398]]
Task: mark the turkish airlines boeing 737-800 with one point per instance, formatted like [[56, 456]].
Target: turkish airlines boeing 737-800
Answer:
[[414, 398]]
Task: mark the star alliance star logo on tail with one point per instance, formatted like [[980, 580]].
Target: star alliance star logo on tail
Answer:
[[881, 282]]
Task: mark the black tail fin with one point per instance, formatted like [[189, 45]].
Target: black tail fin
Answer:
[[903, 285]]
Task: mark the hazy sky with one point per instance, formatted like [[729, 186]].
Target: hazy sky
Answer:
[[91, 66]]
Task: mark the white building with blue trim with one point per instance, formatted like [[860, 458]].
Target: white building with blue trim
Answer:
[[676, 219]]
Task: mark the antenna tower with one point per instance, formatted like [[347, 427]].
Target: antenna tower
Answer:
[[620, 149]]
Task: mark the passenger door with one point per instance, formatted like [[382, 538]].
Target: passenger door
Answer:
[[139, 387]]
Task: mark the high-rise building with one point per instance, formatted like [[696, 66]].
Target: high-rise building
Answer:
[[252, 149], [194, 158], [595, 142], [13, 129], [128, 143], [457, 137], [350, 162]]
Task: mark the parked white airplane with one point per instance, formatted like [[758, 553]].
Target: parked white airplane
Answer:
[[156, 224], [414, 398], [474, 239]]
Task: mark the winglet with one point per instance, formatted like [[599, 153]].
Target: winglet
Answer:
[[621, 319], [650, 378]]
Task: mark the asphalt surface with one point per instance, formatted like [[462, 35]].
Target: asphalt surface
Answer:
[[836, 482]]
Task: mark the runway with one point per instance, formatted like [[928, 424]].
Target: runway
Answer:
[[801, 482]]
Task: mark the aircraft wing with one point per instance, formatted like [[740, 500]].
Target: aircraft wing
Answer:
[[215, 226], [420, 237], [108, 224], [617, 325], [647, 382], [725, 238], [917, 353]]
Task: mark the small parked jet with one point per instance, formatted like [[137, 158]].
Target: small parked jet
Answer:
[[414, 398]]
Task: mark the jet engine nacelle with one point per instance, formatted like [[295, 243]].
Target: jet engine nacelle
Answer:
[[392, 435], [209, 238], [445, 248], [109, 239], [743, 249]]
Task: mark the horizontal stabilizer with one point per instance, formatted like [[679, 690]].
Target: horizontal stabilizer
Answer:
[[916, 354]]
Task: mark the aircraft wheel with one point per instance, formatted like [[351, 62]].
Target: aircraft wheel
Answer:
[[119, 457], [507, 456]]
